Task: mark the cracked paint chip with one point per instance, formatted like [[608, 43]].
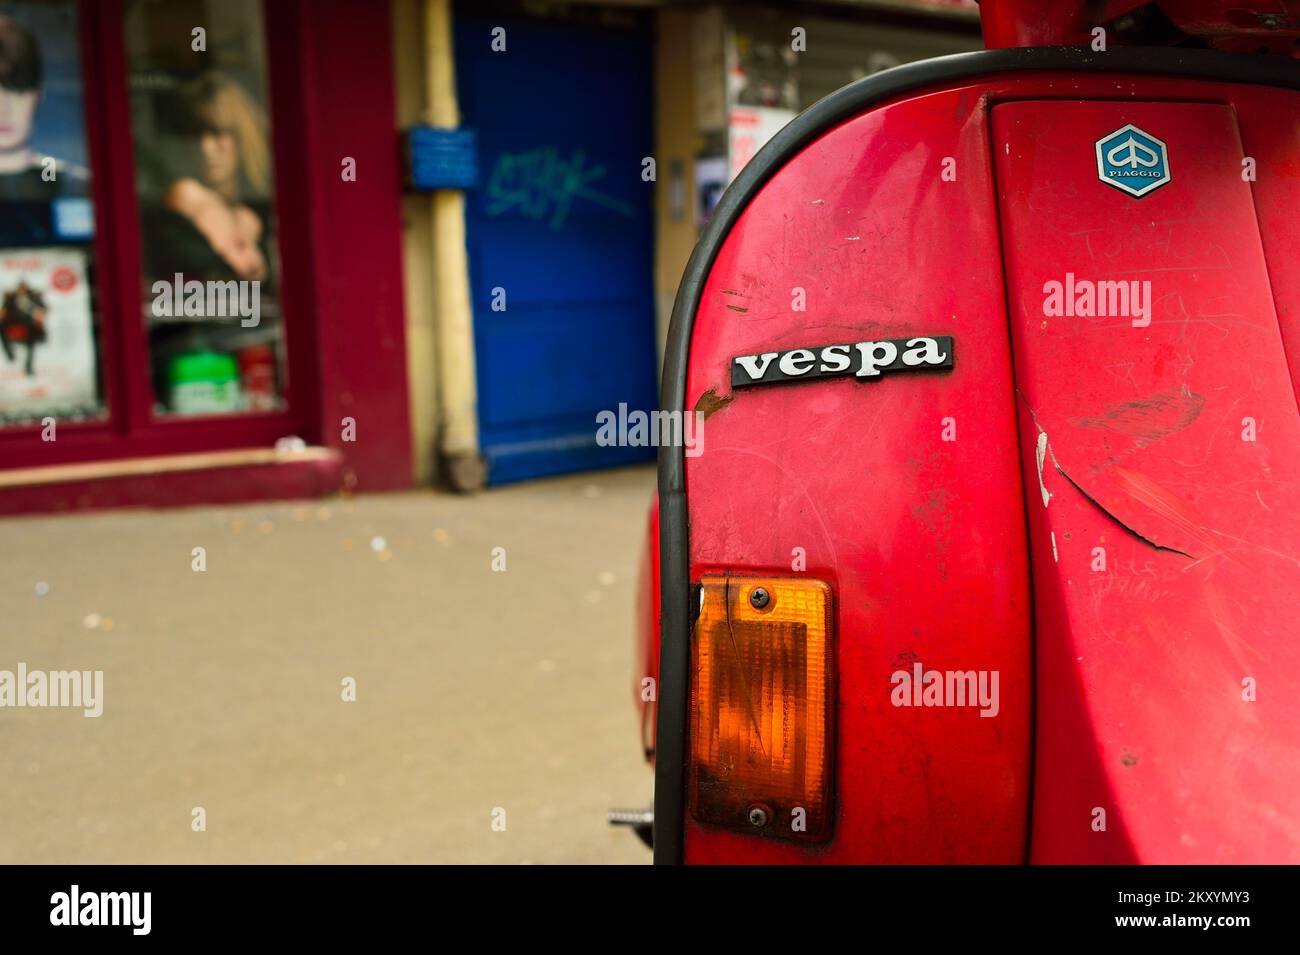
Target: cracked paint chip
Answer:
[[1040, 455]]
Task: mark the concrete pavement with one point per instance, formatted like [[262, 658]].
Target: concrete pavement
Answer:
[[476, 690]]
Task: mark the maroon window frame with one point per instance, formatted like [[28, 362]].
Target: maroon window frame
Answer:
[[130, 427]]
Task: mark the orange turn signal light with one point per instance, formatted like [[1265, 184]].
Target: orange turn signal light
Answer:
[[762, 693]]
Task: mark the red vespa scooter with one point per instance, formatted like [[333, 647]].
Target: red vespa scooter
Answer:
[[990, 552]]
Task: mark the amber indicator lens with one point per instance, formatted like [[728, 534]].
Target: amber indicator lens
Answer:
[[762, 689]]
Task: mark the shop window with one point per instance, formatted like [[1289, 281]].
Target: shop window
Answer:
[[204, 182], [49, 313]]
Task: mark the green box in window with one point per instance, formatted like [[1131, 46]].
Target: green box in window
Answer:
[[204, 383]]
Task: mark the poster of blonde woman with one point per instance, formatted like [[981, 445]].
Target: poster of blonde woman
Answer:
[[205, 184]]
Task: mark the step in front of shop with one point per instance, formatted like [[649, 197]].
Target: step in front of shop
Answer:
[[178, 480]]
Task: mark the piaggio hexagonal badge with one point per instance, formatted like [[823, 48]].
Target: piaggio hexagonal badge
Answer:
[[1133, 161]]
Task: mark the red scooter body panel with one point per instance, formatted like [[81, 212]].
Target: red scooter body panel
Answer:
[[922, 539], [909, 494], [1164, 534]]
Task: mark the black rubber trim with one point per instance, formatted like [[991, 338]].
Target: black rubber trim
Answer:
[[674, 555]]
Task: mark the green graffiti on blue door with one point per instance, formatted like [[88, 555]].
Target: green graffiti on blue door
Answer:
[[542, 185]]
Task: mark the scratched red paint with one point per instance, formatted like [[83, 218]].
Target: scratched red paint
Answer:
[[1148, 679]]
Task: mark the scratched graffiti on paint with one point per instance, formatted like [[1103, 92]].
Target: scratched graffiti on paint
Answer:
[[542, 184]]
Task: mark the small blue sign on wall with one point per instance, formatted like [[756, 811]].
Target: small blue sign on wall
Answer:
[[442, 158]]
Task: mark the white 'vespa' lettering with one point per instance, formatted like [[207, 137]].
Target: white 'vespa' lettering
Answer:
[[751, 364], [874, 355], [923, 351], [797, 362], [866, 359], [839, 354]]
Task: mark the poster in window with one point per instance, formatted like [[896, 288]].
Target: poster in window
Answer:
[[44, 175], [205, 180], [47, 359]]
